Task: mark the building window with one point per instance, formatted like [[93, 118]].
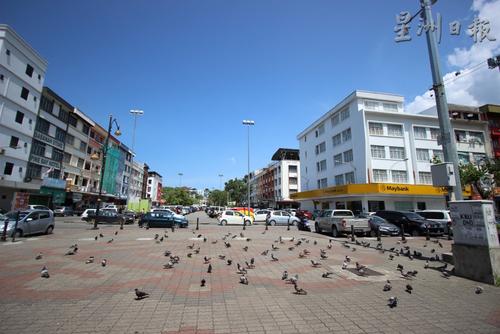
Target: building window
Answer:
[[337, 159], [371, 105], [460, 136], [63, 115], [34, 171], [348, 156], [344, 114], [14, 141], [321, 165], [339, 180], [346, 135], [392, 107], [335, 119], [379, 175], [38, 148], [57, 155], [423, 154], [70, 139], [46, 104], [8, 168], [80, 163], [19, 117], [378, 152], [395, 130], [292, 181], [349, 177], [425, 177], [434, 133], [376, 129], [320, 148], [397, 152], [320, 130], [29, 70], [420, 132], [42, 126], [24, 93], [85, 129], [72, 120], [83, 146], [87, 165], [463, 158], [149, 189], [337, 140], [479, 158], [322, 183], [292, 169], [67, 158], [399, 176], [476, 138], [60, 134]]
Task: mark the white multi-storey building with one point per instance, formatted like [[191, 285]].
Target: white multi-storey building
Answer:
[[154, 187], [22, 73], [367, 154], [136, 180]]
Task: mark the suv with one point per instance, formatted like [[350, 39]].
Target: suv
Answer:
[[412, 222], [439, 216]]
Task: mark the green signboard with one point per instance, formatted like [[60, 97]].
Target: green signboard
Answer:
[[58, 195], [111, 170]]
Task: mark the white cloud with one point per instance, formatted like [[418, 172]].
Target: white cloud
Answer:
[[478, 85]]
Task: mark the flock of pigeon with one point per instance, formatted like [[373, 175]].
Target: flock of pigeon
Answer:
[[293, 243]]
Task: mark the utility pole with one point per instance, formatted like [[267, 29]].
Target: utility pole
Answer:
[[447, 137]]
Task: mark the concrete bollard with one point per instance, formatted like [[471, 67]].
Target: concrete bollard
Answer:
[[15, 227], [288, 224], [427, 233], [403, 238], [4, 234], [352, 233], [378, 235], [197, 223]]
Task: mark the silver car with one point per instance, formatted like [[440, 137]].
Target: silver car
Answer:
[[30, 222], [280, 217]]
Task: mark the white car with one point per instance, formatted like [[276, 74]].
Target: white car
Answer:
[[261, 215], [86, 213], [280, 217], [39, 207], [439, 216], [232, 217]]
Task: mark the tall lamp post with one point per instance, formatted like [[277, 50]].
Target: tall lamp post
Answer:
[[248, 123], [180, 179], [135, 113], [103, 164], [220, 181]]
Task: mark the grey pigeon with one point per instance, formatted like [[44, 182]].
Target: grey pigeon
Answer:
[[273, 258], [479, 290], [44, 273], [285, 275], [327, 274], [243, 280], [409, 288], [387, 286], [39, 256], [209, 270], [104, 262], [393, 302], [299, 291], [140, 294], [203, 281], [89, 260]]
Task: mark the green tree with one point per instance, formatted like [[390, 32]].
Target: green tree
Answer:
[[238, 190], [217, 197], [482, 177], [177, 196]]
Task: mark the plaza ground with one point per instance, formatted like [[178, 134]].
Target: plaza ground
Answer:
[[89, 298]]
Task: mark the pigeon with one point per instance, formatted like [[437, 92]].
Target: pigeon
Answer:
[[392, 302], [169, 265], [229, 262], [315, 242], [273, 258], [104, 262], [203, 282], [387, 286], [39, 256], [264, 253], [101, 235], [167, 253], [347, 258], [71, 252], [241, 270], [190, 246], [327, 274], [90, 260], [306, 252], [409, 288], [245, 248], [293, 279], [323, 256], [95, 238], [353, 249], [252, 261], [446, 274], [274, 247], [299, 291], [285, 275], [344, 265], [315, 264], [426, 265], [359, 266], [227, 244], [249, 266], [110, 240], [302, 255], [140, 294], [209, 270], [291, 248], [116, 232], [214, 242], [243, 280], [161, 239], [44, 273], [222, 257], [329, 246], [189, 255], [479, 290], [197, 250], [391, 257], [440, 244], [157, 236], [207, 260], [433, 251], [400, 267]]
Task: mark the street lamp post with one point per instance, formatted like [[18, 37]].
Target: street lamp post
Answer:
[[220, 181], [248, 123], [180, 179], [135, 113], [103, 164]]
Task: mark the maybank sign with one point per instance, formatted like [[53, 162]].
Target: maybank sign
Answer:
[[375, 188]]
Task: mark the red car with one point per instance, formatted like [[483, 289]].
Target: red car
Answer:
[[303, 213]]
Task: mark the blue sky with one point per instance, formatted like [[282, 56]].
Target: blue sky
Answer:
[[198, 68]]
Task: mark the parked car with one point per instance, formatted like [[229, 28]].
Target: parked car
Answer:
[[63, 211], [232, 217], [87, 212], [305, 224], [293, 212], [317, 213], [30, 222], [412, 222], [176, 215], [162, 218], [261, 215], [281, 217], [39, 207], [337, 222], [108, 216], [441, 216], [304, 214], [130, 214], [365, 214], [380, 224], [185, 210]]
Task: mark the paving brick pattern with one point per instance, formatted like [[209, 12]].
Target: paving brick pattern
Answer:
[[89, 298]]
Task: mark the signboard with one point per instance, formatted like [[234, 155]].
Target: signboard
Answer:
[[474, 223], [77, 197], [58, 195], [20, 201], [54, 183], [45, 162], [48, 140]]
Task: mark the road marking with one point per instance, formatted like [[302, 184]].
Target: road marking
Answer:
[[31, 239], [196, 239], [86, 239], [13, 243], [143, 239]]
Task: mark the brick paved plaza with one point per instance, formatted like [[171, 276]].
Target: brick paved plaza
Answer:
[[90, 298]]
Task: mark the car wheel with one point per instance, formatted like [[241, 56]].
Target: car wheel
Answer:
[[415, 233], [316, 228], [335, 232], [248, 222], [18, 234], [272, 223], [223, 222], [49, 229], [294, 223]]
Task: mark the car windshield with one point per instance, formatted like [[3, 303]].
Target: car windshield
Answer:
[[12, 215], [413, 215]]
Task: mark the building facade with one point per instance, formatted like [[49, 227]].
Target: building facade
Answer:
[[491, 112], [136, 181], [367, 154], [154, 188], [22, 73]]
